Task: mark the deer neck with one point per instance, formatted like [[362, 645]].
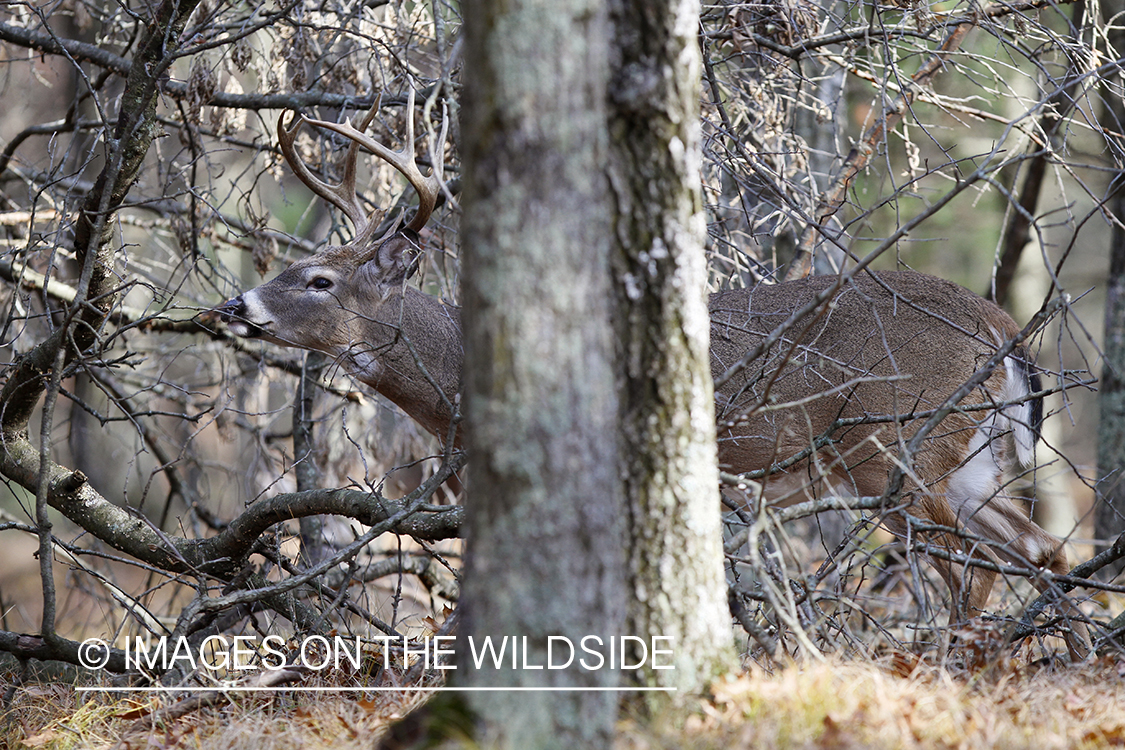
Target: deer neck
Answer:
[[410, 351]]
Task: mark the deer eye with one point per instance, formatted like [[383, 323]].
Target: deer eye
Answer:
[[320, 282]]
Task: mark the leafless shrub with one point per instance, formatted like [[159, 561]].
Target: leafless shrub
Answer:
[[140, 186]]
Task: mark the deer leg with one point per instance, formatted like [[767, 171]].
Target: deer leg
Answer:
[[969, 585], [1022, 542], [1076, 635], [972, 492]]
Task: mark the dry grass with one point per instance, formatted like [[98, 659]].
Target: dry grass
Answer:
[[54, 718], [901, 703], [841, 705]]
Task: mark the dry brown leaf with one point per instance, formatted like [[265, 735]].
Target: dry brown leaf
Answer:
[[42, 739]]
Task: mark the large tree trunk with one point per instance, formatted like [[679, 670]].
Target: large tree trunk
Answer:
[[668, 426], [545, 524]]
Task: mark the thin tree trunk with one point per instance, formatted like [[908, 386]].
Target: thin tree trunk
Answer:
[[314, 545], [668, 426], [1109, 521]]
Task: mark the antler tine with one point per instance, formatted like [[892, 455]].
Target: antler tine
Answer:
[[342, 196], [427, 188]]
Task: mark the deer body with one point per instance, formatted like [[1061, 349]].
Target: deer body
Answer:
[[894, 343], [885, 344]]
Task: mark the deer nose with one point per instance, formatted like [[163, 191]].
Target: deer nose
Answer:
[[232, 309]]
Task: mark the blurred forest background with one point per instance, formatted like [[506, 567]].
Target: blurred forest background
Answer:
[[981, 143]]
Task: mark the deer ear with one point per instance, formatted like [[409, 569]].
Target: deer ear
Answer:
[[396, 259]]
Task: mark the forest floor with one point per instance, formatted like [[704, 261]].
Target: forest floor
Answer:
[[904, 704], [900, 702]]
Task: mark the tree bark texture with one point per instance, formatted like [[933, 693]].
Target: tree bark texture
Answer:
[[1109, 520], [544, 513], [660, 275]]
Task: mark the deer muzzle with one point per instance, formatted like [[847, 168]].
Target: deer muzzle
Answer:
[[233, 313]]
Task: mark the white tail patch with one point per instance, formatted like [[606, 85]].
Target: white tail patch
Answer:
[[1021, 418], [974, 486]]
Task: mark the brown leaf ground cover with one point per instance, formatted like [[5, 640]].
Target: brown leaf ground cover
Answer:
[[899, 702]]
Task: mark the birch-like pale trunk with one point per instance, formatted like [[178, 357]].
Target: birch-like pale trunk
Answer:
[[678, 588]]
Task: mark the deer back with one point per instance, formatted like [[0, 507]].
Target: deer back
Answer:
[[886, 344]]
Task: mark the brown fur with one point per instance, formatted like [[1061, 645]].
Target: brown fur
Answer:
[[891, 344]]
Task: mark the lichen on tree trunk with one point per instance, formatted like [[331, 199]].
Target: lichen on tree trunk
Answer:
[[668, 424]]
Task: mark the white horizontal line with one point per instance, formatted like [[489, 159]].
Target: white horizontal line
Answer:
[[360, 689]]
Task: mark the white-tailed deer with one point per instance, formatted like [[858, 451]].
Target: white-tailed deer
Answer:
[[855, 378]]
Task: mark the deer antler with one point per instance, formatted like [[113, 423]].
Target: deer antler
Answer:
[[341, 196], [428, 188]]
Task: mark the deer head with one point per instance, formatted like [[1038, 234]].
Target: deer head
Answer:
[[351, 301]]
